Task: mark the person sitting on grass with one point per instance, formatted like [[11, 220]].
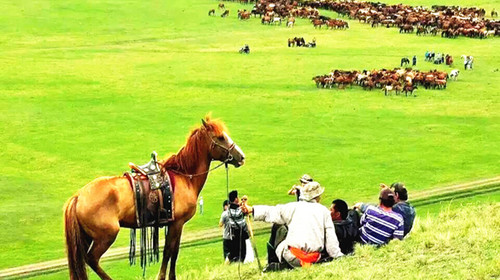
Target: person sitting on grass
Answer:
[[310, 229], [403, 207], [380, 224], [346, 224]]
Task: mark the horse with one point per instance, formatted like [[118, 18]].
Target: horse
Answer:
[[93, 216], [275, 20], [454, 74], [211, 12], [405, 61]]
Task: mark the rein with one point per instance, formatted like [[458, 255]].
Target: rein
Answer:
[[229, 158]]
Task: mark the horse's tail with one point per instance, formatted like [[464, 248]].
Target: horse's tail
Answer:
[[76, 247]]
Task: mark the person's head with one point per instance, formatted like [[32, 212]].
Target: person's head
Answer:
[[387, 197], [310, 191], [225, 204], [400, 191], [305, 179], [233, 197], [339, 210], [244, 199]]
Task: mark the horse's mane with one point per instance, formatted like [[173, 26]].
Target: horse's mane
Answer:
[[195, 148]]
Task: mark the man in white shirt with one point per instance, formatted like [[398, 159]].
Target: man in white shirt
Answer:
[[310, 227]]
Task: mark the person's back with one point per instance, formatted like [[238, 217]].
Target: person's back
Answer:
[[307, 223], [407, 212], [347, 232], [378, 227], [403, 207], [379, 224]]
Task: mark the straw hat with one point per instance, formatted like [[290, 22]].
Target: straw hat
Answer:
[[310, 191]]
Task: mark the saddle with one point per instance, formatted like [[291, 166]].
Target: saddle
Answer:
[[153, 194]]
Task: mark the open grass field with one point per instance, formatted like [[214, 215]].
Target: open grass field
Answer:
[[87, 86]]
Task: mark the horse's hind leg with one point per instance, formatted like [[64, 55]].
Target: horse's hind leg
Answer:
[[100, 245]]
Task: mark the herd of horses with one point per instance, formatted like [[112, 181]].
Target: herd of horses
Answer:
[[397, 80], [451, 21], [276, 12]]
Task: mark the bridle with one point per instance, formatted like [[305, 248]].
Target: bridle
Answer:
[[229, 158]]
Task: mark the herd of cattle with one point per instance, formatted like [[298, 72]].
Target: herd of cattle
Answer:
[[397, 80], [449, 21]]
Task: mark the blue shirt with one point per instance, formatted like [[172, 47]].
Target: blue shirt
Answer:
[[378, 227]]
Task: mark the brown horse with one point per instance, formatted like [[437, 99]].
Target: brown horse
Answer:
[[94, 215]]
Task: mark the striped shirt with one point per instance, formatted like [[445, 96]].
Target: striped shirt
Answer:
[[378, 227]]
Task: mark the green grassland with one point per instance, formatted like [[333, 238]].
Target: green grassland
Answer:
[[208, 261], [87, 86]]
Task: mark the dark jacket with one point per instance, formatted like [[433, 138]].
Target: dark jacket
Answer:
[[408, 212]]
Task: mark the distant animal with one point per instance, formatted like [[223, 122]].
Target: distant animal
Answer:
[[291, 42], [221, 6], [243, 14], [317, 22], [266, 19], [225, 13], [299, 41], [211, 12], [454, 74], [389, 88], [494, 13], [410, 89], [406, 29], [276, 20], [405, 61]]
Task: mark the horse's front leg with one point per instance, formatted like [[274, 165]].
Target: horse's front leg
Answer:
[[174, 253], [172, 242]]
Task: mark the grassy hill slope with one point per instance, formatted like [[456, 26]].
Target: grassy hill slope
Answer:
[[87, 86]]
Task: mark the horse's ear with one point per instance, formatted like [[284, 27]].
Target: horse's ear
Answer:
[[204, 123]]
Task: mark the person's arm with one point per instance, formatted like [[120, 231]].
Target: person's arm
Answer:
[[399, 232], [223, 218], [331, 240], [279, 214]]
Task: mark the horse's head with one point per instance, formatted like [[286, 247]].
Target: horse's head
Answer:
[[222, 147]]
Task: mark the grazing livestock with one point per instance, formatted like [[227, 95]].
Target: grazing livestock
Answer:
[[410, 89], [405, 61], [389, 81], [266, 19], [454, 74]]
